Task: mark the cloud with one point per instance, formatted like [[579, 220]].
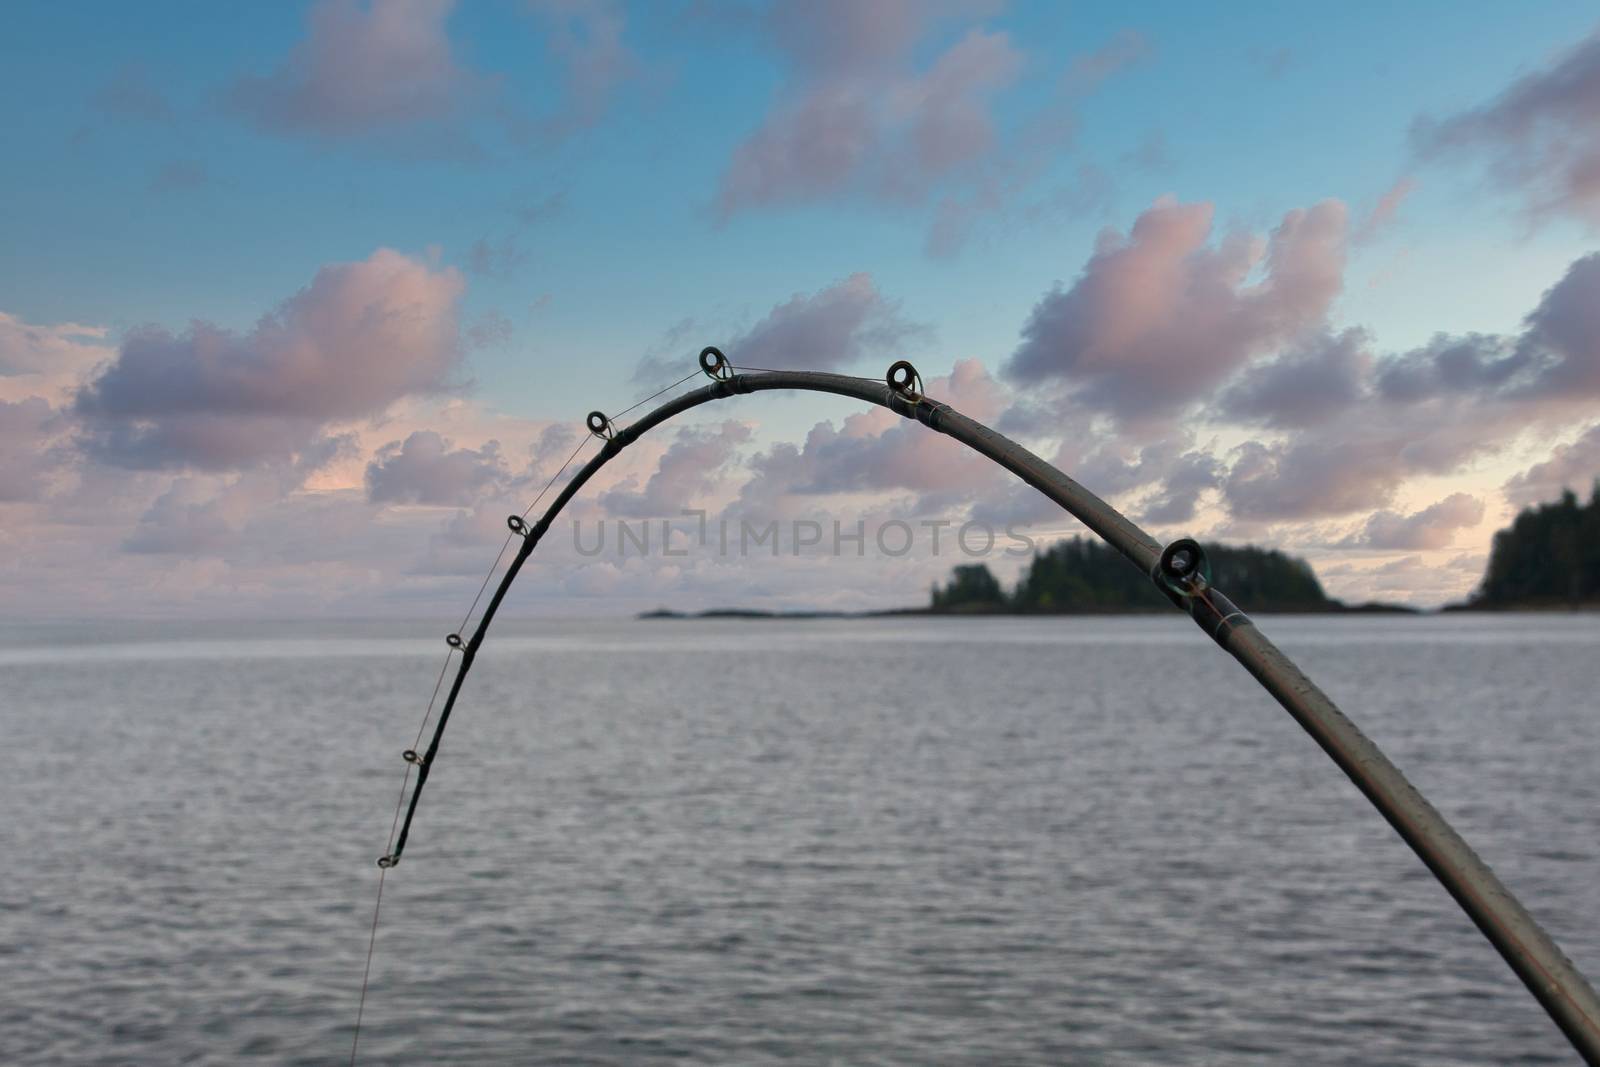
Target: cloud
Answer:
[[1383, 213], [47, 360], [26, 456], [358, 338], [1158, 318], [1125, 49], [586, 36], [199, 516], [878, 450], [1185, 479], [1539, 137], [362, 69], [830, 328], [1433, 527], [1356, 462], [688, 472], [1318, 379], [1573, 466], [858, 116], [1307, 479], [1555, 359], [945, 111], [424, 469]]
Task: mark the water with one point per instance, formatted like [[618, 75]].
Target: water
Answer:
[[895, 841]]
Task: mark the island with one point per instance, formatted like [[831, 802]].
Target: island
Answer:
[[1082, 576], [1547, 559]]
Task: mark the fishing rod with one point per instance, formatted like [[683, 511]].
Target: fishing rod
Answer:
[[1181, 571]]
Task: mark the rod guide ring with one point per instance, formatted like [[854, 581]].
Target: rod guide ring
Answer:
[[715, 364], [1183, 566], [600, 426], [903, 380], [518, 526], [454, 641], [388, 861]]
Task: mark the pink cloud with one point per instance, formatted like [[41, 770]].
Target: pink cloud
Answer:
[[1161, 316], [858, 116], [878, 451], [359, 338], [830, 328], [688, 472], [362, 68], [425, 469], [1433, 527]]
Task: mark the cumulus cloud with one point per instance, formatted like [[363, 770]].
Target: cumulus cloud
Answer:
[[688, 472], [1555, 358], [857, 115], [424, 469], [358, 338], [1158, 318], [878, 451], [1184, 481], [1317, 379], [362, 69], [830, 328], [1307, 479], [1539, 137], [1433, 527], [1573, 466], [825, 330]]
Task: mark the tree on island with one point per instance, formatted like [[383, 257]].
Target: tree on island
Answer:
[[972, 588], [1550, 556], [1083, 575]]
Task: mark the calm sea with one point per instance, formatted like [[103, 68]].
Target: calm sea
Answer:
[[921, 841]]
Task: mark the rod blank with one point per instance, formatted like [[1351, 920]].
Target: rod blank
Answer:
[[1558, 986]]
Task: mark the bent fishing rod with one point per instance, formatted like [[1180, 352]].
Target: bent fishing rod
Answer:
[[1179, 570]]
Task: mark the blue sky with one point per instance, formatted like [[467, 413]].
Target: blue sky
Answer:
[[573, 165]]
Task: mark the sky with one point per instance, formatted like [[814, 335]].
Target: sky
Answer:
[[299, 302]]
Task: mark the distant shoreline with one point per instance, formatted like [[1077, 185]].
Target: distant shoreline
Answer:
[[968, 612]]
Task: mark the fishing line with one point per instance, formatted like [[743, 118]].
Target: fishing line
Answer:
[[658, 392], [411, 757]]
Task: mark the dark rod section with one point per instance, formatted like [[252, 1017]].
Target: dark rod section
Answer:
[[1543, 968]]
